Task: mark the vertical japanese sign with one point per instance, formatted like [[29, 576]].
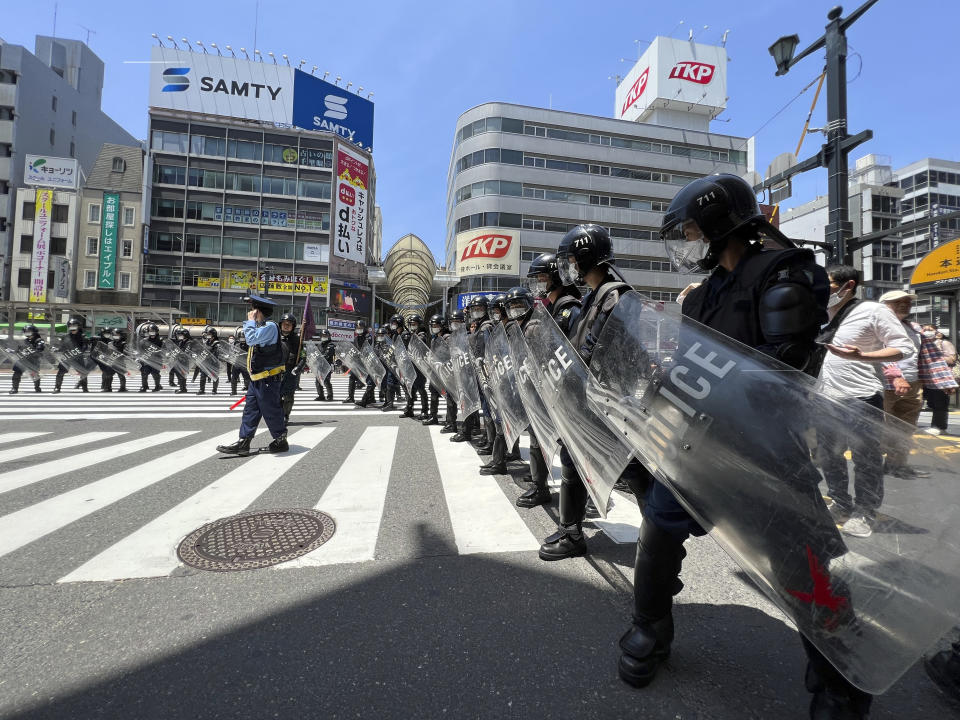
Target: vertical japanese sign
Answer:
[[40, 261], [350, 228], [106, 277]]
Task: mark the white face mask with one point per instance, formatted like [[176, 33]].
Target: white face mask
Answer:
[[477, 314], [515, 312], [930, 334], [496, 316], [835, 299]]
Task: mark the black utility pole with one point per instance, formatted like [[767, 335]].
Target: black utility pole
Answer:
[[833, 154], [266, 280]]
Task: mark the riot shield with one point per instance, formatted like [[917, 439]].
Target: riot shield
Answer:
[[117, 360], [420, 356], [175, 358], [385, 352], [72, 357], [350, 357], [504, 383], [467, 388], [146, 353], [441, 363], [204, 357], [599, 453], [316, 360], [528, 386], [29, 358], [405, 366], [730, 431], [374, 366], [230, 353]]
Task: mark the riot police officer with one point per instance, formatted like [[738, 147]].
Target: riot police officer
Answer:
[[209, 336], [102, 342], [294, 363], [434, 327], [74, 341], [419, 388], [146, 370], [32, 336], [456, 322], [324, 386], [181, 338], [496, 308], [390, 387], [118, 341], [239, 369], [266, 366], [479, 318], [773, 300], [361, 337]]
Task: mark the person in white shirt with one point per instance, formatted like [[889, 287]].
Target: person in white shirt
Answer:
[[859, 337]]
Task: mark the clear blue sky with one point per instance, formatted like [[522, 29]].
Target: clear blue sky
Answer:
[[429, 62]]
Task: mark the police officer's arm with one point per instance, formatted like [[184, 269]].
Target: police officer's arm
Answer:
[[792, 309], [266, 334]]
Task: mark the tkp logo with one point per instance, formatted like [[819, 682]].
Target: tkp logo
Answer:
[[486, 246], [176, 79], [336, 107], [697, 72], [635, 91]]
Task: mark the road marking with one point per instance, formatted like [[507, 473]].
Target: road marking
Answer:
[[483, 518], [54, 445], [355, 499], [18, 436], [31, 523], [46, 470], [151, 551]]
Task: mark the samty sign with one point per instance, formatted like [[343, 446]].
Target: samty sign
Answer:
[[488, 251]]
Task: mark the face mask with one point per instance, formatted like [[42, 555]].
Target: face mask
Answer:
[[929, 334], [835, 299], [434, 329], [393, 326], [477, 314], [540, 289], [496, 315], [515, 312], [359, 331], [414, 328]]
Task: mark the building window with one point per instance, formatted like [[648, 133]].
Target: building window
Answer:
[[93, 245], [89, 278], [58, 246], [53, 136], [28, 209], [93, 213], [73, 118], [129, 215], [23, 277], [126, 248], [26, 244], [53, 103], [124, 281], [119, 165], [61, 213]]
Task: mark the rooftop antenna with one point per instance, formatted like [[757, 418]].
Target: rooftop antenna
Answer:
[[89, 33], [675, 28], [256, 22], [314, 69], [54, 19], [723, 40]]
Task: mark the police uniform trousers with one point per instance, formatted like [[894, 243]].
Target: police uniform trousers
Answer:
[[18, 371], [324, 386], [236, 372], [288, 391], [263, 400], [146, 372]]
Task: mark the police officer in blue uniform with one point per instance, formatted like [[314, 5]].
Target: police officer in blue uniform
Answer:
[[265, 366]]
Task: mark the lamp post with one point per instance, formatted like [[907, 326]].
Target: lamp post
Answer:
[[833, 153]]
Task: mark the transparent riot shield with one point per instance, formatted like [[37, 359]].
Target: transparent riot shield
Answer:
[[421, 358], [528, 386], [374, 367], [175, 357], [741, 441], [146, 353], [405, 366], [316, 360], [117, 360], [351, 359], [73, 357], [467, 388], [442, 365], [384, 350], [204, 357], [230, 353], [503, 380], [599, 453], [29, 358]]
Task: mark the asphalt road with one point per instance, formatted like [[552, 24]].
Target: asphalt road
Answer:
[[431, 604]]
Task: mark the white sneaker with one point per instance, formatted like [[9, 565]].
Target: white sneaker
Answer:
[[857, 526], [933, 431]]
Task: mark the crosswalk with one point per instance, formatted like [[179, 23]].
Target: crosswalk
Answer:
[[161, 486], [72, 402]]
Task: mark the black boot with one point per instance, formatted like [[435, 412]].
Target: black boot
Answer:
[[568, 540], [279, 444], [83, 385], [430, 420], [16, 385], [944, 669], [348, 401], [539, 494], [497, 464], [36, 386], [656, 580], [240, 447], [536, 495], [143, 388]]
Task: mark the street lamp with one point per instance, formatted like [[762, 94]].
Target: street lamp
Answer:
[[782, 51]]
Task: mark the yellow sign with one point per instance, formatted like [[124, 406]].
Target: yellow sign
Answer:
[[290, 155], [208, 282], [40, 259], [193, 321], [280, 284], [939, 266]]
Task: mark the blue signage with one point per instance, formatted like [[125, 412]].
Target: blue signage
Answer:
[[319, 105], [463, 299]]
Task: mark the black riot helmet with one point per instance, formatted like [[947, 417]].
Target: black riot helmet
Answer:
[[705, 214], [544, 264], [457, 320], [210, 332], [478, 307], [518, 303], [288, 317], [183, 333], [238, 334], [152, 330], [437, 324], [498, 311], [381, 335], [414, 320], [75, 323], [361, 327], [397, 323], [325, 334], [582, 249], [30, 331]]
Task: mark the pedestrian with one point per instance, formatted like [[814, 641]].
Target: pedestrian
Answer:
[[936, 391]]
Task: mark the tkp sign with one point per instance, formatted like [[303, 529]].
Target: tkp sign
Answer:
[[486, 246], [698, 72], [635, 91], [488, 251]]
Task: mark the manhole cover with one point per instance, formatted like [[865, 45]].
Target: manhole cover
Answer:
[[256, 539]]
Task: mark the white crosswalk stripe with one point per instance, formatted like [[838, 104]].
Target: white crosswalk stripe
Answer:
[[481, 510]]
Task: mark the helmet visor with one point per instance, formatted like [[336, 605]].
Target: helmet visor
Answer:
[[567, 267], [686, 246], [538, 285], [477, 312]]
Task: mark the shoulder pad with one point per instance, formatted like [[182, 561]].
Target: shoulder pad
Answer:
[[610, 302]]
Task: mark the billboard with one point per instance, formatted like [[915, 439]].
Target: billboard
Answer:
[[350, 300], [674, 75], [488, 251], [46, 171], [107, 274], [264, 91], [463, 299], [280, 284], [40, 260], [350, 225]]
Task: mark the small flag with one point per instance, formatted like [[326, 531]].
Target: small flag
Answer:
[[309, 326]]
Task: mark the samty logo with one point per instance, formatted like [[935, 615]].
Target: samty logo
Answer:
[[635, 91], [336, 107], [176, 79], [486, 246], [700, 73]]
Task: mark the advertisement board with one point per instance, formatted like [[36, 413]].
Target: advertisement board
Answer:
[[463, 299], [107, 275], [263, 91], [316, 252], [280, 284], [350, 300], [488, 251], [350, 224], [40, 259], [939, 268], [61, 279], [46, 171], [674, 74]]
